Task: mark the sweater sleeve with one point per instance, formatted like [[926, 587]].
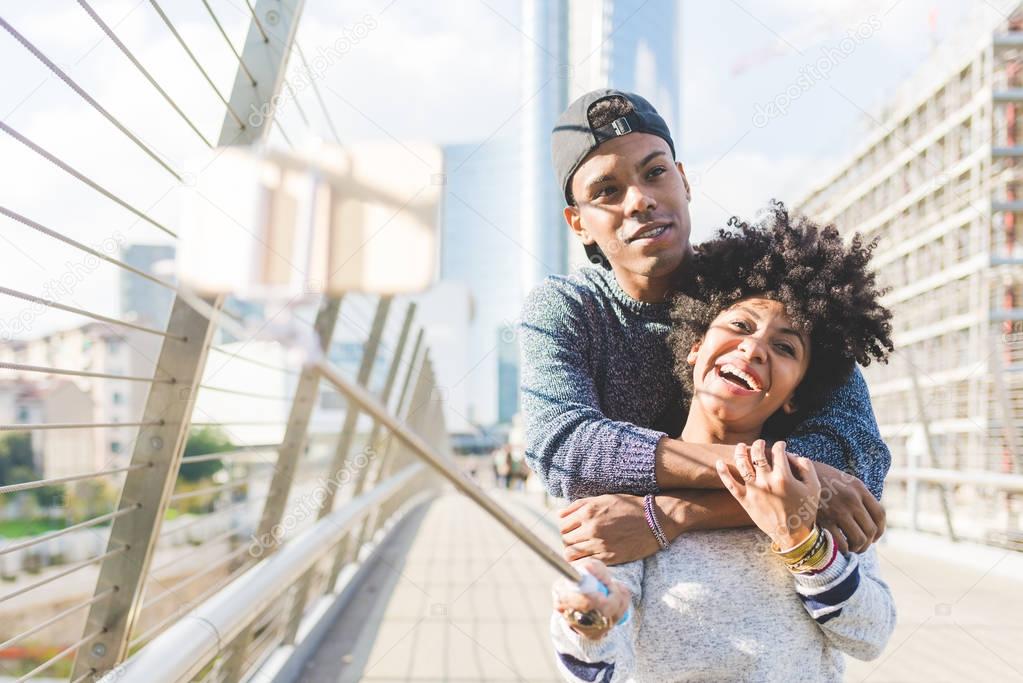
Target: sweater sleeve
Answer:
[[844, 434], [574, 449], [610, 659], [851, 604]]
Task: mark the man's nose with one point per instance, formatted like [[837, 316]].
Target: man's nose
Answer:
[[638, 202]]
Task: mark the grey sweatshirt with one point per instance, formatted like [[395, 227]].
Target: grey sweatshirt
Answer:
[[719, 606], [598, 393]]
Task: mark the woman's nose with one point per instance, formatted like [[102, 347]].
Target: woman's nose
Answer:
[[753, 349]]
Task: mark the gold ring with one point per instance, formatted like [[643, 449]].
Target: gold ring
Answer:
[[592, 619]]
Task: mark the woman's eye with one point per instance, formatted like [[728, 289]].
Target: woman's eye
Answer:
[[786, 349], [741, 325]]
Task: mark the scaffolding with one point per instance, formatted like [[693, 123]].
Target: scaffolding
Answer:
[[937, 184]]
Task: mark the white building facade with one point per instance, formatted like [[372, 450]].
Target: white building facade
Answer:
[[937, 184]]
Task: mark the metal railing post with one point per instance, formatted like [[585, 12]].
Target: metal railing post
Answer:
[[391, 451], [349, 548], [161, 447], [296, 433], [379, 458], [267, 60], [183, 358], [290, 451], [302, 592], [932, 459], [352, 412]]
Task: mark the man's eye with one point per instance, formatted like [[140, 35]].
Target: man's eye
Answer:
[[659, 170], [604, 192]]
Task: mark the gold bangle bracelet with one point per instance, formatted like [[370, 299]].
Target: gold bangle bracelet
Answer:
[[799, 550], [819, 560], [813, 554]]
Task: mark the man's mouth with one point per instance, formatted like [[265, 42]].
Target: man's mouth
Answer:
[[740, 378], [650, 231]]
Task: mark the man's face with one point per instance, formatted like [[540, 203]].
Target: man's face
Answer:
[[632, 200]]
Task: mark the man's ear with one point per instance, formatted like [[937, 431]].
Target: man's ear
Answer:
[[685, 181], [575, 223], [691, 358]]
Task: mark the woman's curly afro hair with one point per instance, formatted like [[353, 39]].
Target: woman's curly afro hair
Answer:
[[824, 284]]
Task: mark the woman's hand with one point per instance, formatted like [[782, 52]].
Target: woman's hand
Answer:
[[780, 498], [571, 603]]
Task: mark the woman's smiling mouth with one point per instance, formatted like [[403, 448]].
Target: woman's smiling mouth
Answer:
[[738, 379]]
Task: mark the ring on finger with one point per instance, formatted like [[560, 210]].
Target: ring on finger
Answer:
[[592, 619]]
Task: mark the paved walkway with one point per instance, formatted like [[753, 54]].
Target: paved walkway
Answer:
[[457, 598]]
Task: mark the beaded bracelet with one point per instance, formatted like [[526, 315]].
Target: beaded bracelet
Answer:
[[651, 521]]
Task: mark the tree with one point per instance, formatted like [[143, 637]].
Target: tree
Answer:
[[203, 442], [16, 458], [17, 465]]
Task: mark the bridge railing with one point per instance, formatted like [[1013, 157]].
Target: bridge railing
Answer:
[[165, 461]]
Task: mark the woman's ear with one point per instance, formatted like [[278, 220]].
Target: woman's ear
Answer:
[[691, 358], [790, 406]]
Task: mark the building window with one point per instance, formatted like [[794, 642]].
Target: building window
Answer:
[[22, 414], [118, 398], [115, 446]]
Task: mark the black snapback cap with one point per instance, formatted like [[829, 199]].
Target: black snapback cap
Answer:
[[574, 136]]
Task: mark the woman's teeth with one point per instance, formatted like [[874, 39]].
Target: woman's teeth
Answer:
[[729, 369]]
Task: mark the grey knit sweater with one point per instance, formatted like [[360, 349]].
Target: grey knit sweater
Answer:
[[598, 393], [719, 606]]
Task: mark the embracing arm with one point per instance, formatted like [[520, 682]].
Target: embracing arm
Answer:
[[849, 457], [844, 435], [570, 444]]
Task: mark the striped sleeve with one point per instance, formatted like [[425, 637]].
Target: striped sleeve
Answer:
[[851, 603]]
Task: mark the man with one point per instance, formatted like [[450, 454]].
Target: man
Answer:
[[601, 404]]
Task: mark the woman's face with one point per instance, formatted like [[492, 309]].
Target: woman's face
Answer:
[[749, 364]]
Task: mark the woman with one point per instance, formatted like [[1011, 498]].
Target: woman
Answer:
[[778, 602]]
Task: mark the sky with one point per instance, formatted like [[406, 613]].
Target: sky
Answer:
[[754, 126]]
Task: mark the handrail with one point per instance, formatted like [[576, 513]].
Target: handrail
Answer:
[[1012, 483], [179, 653]]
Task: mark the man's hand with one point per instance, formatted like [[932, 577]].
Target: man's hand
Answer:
[[848, 510], [611, 528]]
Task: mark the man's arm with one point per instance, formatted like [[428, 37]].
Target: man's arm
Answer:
[[613, 528], [570, 444], [574, 449], [844, 434]]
